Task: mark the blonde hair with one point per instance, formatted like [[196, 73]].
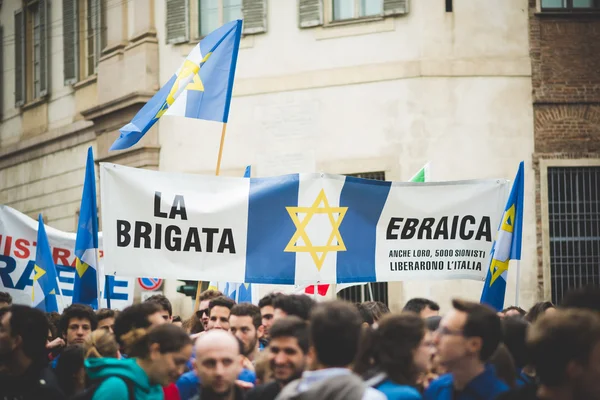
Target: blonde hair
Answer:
[[101, 343]]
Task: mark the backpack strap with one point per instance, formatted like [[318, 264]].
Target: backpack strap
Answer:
[[376, 380]]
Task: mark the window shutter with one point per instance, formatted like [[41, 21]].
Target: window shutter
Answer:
[[395, 7], [255, 16], [177, 21], [98, 31], [310, 13], [70, 41], [1, 72], [19, 58], [44, 10]]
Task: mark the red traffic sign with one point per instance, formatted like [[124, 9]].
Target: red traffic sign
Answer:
[[150, 283]]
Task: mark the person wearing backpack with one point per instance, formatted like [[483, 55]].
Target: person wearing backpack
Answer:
[[157, 358]]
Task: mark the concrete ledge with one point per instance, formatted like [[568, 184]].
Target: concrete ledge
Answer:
[[117, 104], [47, 143]]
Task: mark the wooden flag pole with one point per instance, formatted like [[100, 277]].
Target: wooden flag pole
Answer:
[[218, 170]]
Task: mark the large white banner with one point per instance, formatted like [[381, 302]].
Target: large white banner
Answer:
[[296, 229], [18, 235]]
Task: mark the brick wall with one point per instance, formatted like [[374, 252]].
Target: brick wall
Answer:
[[565, 60]]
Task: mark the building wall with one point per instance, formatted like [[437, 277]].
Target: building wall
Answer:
[[43, 144], [565, 60], [451, 88]]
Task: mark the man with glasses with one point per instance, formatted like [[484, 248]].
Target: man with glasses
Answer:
[[466, 338], [203, 312]]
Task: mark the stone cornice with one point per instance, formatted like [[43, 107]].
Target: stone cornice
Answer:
[[116, 105]]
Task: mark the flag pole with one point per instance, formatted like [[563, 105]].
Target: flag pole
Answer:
[[371, 291], [518, 283], [218, 170]]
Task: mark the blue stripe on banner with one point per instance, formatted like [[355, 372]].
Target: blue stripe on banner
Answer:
[[193, 103], [270, 228], [365, 200]]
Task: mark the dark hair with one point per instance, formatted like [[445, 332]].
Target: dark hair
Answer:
[[79, 311], [196, 325], [433, 323], [210, 294], [267, 300], [162, 302], [177, 318], [222, 301], [515, 308], [170, 338], [291, 326], [105, 313], [32, 326], [504, 364], [54, 321], [557, 339], [482, 322], [418, 304], [335, 329], [299, 305], [5, 297], [68, 364], [391, 346], [514, 331], [133, 317], [586, 298], [372, 311], [538, 310], [248, 310]]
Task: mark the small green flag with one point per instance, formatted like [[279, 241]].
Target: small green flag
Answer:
[[422, 175]]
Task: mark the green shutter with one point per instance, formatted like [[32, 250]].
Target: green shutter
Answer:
[[255, 16], [178, 28], [395, 7], [1, 71], [96, 18], [70, 41], [44, 10], [19, 58], [310, 13]]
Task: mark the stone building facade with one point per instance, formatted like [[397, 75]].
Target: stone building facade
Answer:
[[320, 86]]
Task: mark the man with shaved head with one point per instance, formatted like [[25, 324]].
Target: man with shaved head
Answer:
[[218, 364]]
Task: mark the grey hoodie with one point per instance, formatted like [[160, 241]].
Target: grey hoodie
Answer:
[[329, 384]]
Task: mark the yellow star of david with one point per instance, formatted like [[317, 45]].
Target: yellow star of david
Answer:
[[38, 273], [80, 267], [497, 267], [300, 233]]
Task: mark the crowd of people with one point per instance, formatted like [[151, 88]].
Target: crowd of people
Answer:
[[291, 347]]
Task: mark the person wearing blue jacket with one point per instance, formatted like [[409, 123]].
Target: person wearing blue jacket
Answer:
[[466, 338], [394, 355]]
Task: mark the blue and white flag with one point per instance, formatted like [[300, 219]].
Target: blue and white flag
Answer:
[[201, 88], [45, 279], [296, 229], [86, 287], [507, 245]]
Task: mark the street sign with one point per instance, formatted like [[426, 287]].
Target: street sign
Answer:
[[146, 295], [150, 283]]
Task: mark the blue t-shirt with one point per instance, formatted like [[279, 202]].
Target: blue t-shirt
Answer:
[[394, 391], [485, 386], [189, 382]]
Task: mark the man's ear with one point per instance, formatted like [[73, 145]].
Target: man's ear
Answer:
[[261, 331], [474, 344], [154, 351]]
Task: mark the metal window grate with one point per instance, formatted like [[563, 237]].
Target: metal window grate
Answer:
[[362, 293], [574, 228]]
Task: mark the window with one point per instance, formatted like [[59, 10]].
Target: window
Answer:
[[313, 13], [195, 19], [31, 52], [574, 228], [214, 13], [375, 291], [353, 9], [84, 37], [570, 5]]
